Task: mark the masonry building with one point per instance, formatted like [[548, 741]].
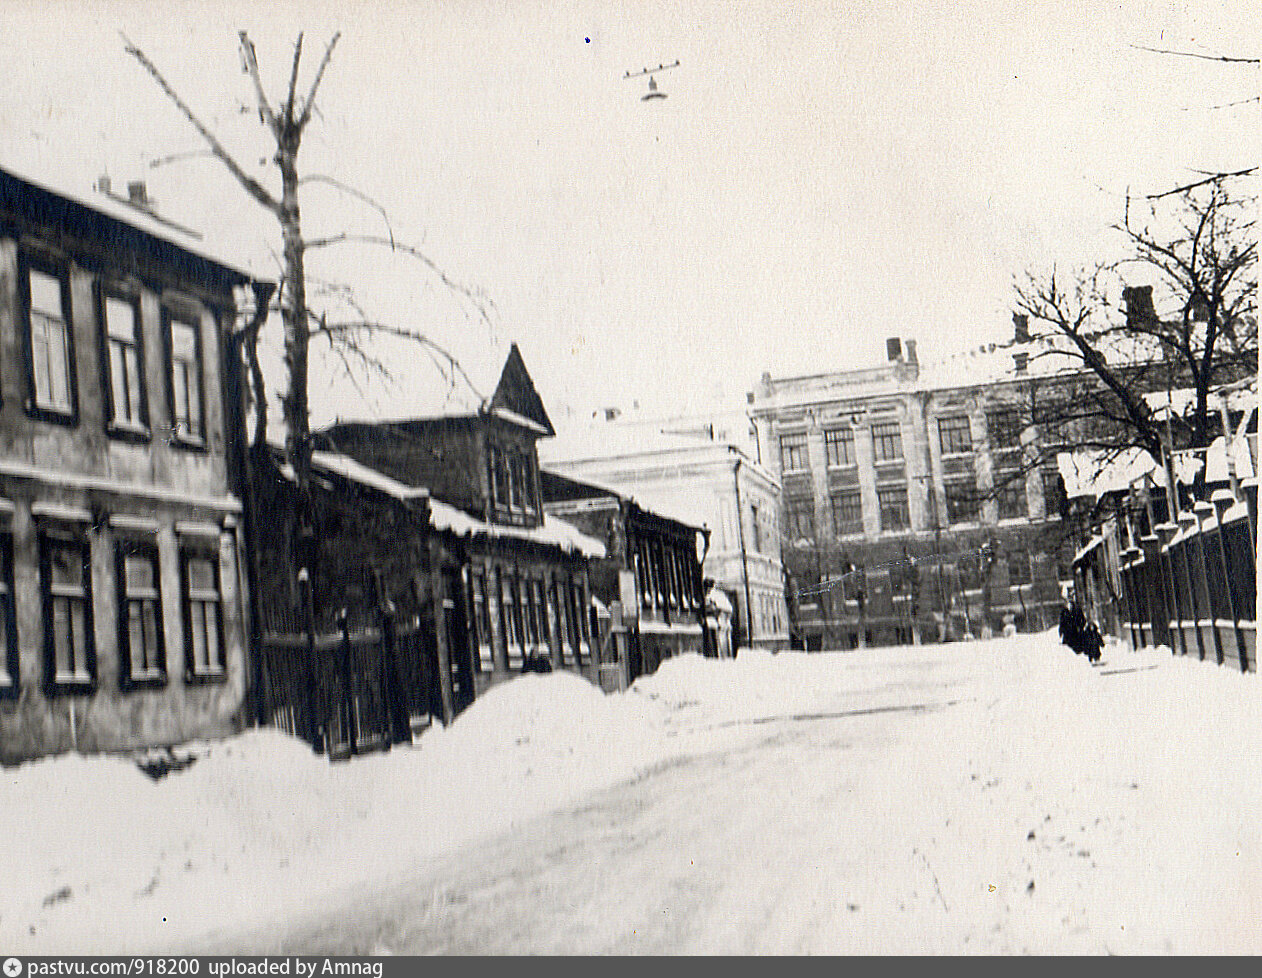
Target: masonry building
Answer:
[[122, 587], [916, 502]]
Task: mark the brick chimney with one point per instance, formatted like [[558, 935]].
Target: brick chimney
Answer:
[[1139, 308], [1021, 362], [911, 351], [138, 194], [894, 349], [1020, 328]]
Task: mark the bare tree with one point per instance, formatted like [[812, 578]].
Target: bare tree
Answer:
[[1194, 328], [349, 336]]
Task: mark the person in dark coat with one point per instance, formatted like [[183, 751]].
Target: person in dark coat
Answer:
[[1073, 624], [1092, 642]]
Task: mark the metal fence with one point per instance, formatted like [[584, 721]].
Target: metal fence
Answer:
[[1193, 587]]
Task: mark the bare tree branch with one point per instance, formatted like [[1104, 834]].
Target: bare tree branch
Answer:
[[252, 186], [1194, 54], [345, 188], [315, 84], [250, 61], [479, 300]]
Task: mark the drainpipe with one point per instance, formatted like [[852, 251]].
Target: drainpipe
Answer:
[[740, 535]]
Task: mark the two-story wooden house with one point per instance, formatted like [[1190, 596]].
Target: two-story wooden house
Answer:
[[652, 567], [517, 576], [122, 594]]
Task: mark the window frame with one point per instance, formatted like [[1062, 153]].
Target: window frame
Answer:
[[839, 447], [191, 550], [793, 445], [904, 508], [851, 527], [799, 518], [124, 547], [1001, 421], [72, 539], [10, 686], [59, 270], [1008, 485], [1028, 564], [950, 490], [123, 429], [887, 433], [955, 434], [170, 317]]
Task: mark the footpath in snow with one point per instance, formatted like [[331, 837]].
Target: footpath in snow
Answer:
[[1110, 809]]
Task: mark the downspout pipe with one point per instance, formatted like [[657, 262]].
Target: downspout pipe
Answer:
[[740, 536]]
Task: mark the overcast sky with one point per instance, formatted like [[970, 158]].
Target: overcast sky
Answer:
[[821, 175]]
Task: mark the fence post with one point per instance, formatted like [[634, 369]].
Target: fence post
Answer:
[[1134, 598], [348, 689], [398, 719], [1187, 522], [1165, 533], [1222, 500], [309, 670], [1158, 607], [1203, 510], [437, 591]]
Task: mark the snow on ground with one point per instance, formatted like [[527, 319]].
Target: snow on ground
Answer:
[[1131, 801]]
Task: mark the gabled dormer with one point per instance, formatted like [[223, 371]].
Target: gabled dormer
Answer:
[[515, 420]]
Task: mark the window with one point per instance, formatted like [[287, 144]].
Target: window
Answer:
[[756, 520], [557, 597], [839, 446], [1003, 427], [799, 518], [955, 435], [1010, 491], [125, 385], [67, 585], [847, 507], [527, 483], [203, 624], [481, 618], [893, 506], [499, 477], [8, 623], [142, 657], [887, 441], [186, 380], [962, 502], [530, 631], [51, 344], [1018, 567], [515, 481], [545, 625], [793, 453], [1053, 488]]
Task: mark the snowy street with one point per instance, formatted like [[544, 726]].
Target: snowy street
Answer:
[[985, 797]]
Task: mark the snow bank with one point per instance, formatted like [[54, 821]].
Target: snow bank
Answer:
[[99, 858]]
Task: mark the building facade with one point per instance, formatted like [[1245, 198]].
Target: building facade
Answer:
[[515, 579], [122, 587], [707, 483], [911, 510], [651, 568]]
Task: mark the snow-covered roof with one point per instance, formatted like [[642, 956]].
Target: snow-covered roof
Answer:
[[489, 378], [1045, 356], [610, 439], [450, 519], [1095, 472], [348, 468], [666, 507], [554, 531], [134, 217]]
